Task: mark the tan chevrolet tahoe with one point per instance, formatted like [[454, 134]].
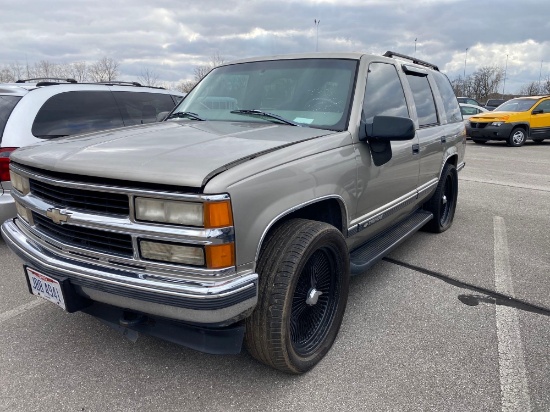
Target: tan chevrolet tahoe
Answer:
[[241, 217]]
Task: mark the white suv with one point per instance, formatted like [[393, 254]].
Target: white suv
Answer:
[[35, 110]]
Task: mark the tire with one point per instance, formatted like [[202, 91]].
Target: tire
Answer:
[[480, 141], [517, 137], [538, 140], [294, 326], [443, 202]]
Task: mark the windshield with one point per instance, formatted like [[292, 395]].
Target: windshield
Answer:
[[306, 92], [516, 105]]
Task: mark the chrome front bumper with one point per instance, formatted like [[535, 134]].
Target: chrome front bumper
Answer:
[[209, 302]]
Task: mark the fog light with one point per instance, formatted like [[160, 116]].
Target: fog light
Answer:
[[169, 252]]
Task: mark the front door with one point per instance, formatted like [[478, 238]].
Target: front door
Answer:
[[383, 189]]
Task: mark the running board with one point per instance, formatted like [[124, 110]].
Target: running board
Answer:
[[374, 250]]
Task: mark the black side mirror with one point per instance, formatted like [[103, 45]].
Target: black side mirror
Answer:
[[382, 131], [388, 128], [537, 111], [392, 128]]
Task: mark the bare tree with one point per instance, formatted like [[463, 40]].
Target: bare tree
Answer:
[[531, 89], [104, 70], [79, 71], [149, 78], [481, 84], [200, 71], [184, 87], [546, 86]]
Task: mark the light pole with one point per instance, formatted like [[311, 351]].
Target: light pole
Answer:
[[540, 74], [415, 46], [505, 70], [465, 63], [316, 22]]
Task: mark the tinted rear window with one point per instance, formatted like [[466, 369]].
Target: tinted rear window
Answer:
[[77, 112], [141, 108], [7, 103], [450, 103], [423, 99]]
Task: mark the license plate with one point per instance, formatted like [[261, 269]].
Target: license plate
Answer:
[[46, 287]]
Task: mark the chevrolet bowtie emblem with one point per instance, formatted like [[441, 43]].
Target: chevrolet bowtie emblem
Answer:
[[57, 215]]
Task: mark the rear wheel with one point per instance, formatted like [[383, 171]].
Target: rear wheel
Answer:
[[304, 281], [443, 202], [517, 137]]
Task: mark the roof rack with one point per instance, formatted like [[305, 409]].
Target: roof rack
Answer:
[[52, 80], [413, 59], [121, 83]]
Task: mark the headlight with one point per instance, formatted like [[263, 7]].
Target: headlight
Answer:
[[497, 124], [168, 252], [208, 215], [169, 211], [20, 183]]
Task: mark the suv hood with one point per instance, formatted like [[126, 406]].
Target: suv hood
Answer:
[[182, 153]]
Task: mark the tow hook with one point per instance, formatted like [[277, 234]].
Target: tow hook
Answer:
[[129, 319]]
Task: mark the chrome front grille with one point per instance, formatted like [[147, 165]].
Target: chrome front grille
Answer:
[[92, 239], [94, 201]]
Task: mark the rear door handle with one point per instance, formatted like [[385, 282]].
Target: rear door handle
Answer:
[[416, 148]]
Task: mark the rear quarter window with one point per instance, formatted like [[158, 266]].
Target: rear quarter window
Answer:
[[76, 112], [7, 103]]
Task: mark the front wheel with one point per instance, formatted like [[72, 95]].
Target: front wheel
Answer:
[[303, 291], [443, 202], [517, 138]]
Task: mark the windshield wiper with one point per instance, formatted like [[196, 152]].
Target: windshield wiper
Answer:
[[188, 115], [259, 113]]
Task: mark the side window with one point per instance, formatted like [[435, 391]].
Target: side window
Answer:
[[76, 112], [423, 99], [450, 104], [545, 106], [384, 93], [141, 108]]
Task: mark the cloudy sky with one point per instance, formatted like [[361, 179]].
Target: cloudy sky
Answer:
[[169, 38]]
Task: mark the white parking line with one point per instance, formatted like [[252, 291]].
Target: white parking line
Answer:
[[513, 376], [20, 309]]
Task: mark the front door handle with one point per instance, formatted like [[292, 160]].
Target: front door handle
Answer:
[[416, 148], [443, 139]]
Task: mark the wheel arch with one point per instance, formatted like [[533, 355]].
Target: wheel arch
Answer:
[[328, 209], [450, 157]]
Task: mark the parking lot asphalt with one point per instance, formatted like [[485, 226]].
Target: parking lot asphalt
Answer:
[[458, 321]]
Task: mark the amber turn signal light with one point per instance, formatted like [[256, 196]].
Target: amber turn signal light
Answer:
[[217, 214], [220, 256]]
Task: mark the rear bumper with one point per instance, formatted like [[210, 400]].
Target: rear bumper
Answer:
[[207, 304]]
